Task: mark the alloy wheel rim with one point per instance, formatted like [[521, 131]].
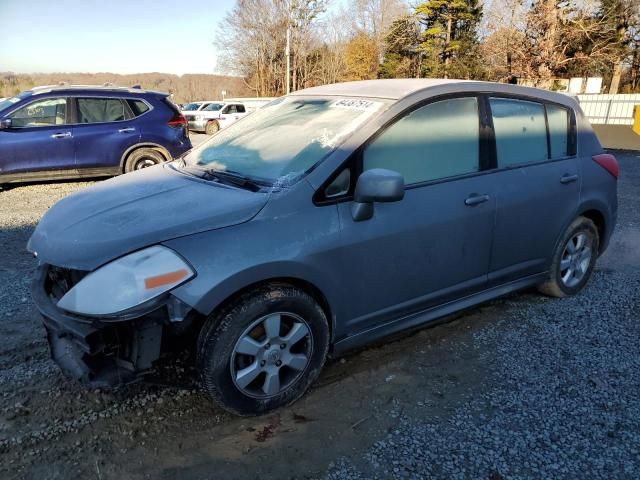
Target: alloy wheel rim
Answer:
[[144, 163], [576, 259], [271, 354]]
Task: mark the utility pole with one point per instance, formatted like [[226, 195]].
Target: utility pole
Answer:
[[287, 52]]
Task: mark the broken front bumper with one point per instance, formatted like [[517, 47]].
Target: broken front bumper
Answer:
[[101, 352]]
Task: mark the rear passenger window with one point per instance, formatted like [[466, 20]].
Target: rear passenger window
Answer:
[[138, 107], [240, 108], [558, 120], [439, 140], [98, 110], [521, 131]]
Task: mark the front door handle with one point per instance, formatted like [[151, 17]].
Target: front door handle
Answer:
[[568, 178], [61, 135], [127, 130], [476, 199]]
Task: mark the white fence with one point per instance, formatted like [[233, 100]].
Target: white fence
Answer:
[[609, 109]]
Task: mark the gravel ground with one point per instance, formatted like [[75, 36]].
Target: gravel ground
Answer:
[[562, 401], [522, 387]]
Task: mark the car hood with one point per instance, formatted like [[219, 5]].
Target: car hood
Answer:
[[89, 228]]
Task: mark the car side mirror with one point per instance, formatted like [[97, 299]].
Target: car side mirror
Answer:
[[376, 185], [5, 123]]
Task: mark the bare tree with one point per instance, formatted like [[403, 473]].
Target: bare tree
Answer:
[[374, 17], [504, 42]]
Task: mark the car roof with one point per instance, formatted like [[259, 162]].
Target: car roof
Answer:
[[394, 89], [398, 88], [91, 88]]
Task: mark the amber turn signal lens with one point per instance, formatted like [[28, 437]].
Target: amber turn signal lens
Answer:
[[165, 279]]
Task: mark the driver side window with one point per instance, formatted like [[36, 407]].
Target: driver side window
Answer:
[[41, 113], [438, 140]]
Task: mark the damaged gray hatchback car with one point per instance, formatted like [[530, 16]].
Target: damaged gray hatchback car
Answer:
[[330, 218]]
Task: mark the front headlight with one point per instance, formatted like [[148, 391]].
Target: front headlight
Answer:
[[127, 282]]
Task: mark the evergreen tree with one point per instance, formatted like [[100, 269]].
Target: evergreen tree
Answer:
[[450, 38], [402, 50]]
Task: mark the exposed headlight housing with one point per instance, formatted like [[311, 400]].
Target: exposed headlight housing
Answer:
[[127, 282]]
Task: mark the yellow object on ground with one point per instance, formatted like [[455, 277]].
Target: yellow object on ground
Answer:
[[636, 119]]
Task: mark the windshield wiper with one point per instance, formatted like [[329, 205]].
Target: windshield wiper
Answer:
[[225, 176], [235, 178]]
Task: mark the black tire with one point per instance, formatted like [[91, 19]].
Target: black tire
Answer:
[[142, 158], [212, 127], [221, 333], [555, 286]]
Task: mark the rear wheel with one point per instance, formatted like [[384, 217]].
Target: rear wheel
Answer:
[[212, 127], [574, 259], [264, 351], [142, 158]]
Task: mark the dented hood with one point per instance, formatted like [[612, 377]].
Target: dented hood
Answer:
[[89, 228]]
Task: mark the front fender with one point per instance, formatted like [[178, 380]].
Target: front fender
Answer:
[[289, 239], [205, 297]]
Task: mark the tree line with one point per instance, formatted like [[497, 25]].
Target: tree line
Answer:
[[184, 88], [535, 42]]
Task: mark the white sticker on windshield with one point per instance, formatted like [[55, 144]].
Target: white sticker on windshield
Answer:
[[356, 104]]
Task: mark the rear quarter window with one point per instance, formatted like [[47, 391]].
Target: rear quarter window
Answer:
[[138, 107]]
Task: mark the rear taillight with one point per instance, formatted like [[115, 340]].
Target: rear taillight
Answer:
[[608, 162], [177, 121]]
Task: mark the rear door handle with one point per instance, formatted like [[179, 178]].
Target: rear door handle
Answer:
[[568, 178], [475, 199], [61, 135], [127, 130]]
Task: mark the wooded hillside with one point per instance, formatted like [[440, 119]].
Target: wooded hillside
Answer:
[[185, 88]]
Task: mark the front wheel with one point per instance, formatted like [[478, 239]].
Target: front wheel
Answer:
[[212, 127], [264, 351], [574, 259]]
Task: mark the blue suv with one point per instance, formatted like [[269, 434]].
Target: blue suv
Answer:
[[64, 132]]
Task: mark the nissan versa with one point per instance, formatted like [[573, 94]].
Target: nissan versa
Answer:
[[330, 218]]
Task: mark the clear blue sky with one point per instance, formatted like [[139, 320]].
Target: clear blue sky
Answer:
[[120, 36]]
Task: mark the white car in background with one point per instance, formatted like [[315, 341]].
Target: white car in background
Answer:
[[195, 106], [215, 116]]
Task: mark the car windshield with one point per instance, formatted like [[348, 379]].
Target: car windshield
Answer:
[[285, 138], [6, 103], [191, 106], [213, 107]]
